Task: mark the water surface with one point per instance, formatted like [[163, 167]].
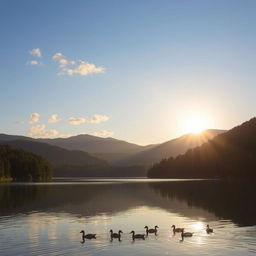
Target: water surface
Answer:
[[46, 218]]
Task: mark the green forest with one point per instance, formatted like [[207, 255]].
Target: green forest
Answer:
[[20, 165], [229, 155]]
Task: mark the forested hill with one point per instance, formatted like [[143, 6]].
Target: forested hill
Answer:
[[231, 154], [20, 165]]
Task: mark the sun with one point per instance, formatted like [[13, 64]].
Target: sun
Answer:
[[195, 124]]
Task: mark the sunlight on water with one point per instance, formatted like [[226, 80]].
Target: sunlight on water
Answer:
[[47, 220]]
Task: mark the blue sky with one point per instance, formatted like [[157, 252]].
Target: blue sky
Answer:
[[140, 68]]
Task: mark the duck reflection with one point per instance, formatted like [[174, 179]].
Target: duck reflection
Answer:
[[115, 235], [151, 230]]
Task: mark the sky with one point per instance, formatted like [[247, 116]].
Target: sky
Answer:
[[134, 70]]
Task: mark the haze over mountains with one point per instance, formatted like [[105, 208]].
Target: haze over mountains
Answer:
[[89, 155], [170, 148]]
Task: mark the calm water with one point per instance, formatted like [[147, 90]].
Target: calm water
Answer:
[[45, 219]]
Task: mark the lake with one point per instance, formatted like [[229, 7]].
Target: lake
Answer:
[[46, 218]]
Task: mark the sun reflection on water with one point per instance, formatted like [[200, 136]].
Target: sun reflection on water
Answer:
[[198, 226]]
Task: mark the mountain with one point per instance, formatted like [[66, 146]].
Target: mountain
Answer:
[[171, 148], [231, 154], [71, 163], [7, 137], [93, 144], [108, 149], [122, 153], [60, 158], [57, 155]]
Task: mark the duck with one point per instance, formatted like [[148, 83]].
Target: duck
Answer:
[[137, 236], [87, 236], [115, 235], [177, 229], [186, 234], [151, 230], [208, 229]]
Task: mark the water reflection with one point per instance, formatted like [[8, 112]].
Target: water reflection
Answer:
[[235, 201], [208, 200], [47, 219]]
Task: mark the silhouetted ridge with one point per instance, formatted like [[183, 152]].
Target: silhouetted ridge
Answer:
[[231, 154]]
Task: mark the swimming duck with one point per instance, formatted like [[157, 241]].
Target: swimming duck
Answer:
[[177, 229], [186, 234], [87, 236], [115, 235], [151, 230], [208, 229], [137, 236]]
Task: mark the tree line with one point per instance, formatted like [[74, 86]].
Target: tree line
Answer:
[[229, 155], [20, 165]]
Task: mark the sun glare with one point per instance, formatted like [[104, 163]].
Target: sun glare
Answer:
[[195, 124]]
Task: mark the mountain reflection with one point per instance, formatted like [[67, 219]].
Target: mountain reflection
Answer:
[[195, 199], [234, 201]]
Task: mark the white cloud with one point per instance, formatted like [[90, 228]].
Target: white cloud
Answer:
[[39, 131], [103, 133], [53, 119], [34, 63], [98, 119], [34, 117], [84, 68], [63, 61], [76, 120], [70, 67], [36, 52]]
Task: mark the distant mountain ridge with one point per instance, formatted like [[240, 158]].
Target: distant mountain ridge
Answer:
[[171, 148], [7, 137], [122, 153], [54, 154], [93, 144]]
